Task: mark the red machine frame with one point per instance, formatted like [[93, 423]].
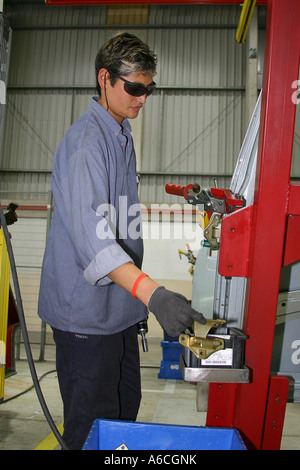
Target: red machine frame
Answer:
[[257, 409]]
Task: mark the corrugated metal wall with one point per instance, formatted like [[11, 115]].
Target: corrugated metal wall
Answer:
[[191, 128], [5, 40]]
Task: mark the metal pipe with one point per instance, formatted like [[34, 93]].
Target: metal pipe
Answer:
[[158, 88], [124, 26]]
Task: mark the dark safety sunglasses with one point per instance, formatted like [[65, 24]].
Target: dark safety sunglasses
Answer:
[[136, 89]]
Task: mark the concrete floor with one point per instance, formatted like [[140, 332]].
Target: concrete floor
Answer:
[[24, 427]]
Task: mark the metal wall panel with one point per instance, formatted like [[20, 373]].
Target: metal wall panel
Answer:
[[192, 124], [203, 139], [35, 121], [41, 16], [5, 43], [198, 57]]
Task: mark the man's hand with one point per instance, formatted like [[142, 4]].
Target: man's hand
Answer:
[[173, 311]]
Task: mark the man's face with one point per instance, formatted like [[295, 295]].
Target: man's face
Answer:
[[120, 103]]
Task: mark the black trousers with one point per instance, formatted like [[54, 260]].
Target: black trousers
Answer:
[[99, 377]]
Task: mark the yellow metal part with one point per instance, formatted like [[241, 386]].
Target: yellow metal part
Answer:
[[245, 18], [4, 293], [212, 231], [204, 220], [201, 346]]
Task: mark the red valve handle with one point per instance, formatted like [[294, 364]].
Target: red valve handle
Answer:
[[178, 189]]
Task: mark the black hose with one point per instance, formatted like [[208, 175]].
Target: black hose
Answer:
[[22, 321]]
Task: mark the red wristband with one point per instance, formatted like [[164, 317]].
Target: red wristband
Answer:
[[136, 284]]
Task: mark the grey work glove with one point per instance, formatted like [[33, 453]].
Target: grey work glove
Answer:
[[173, 311]]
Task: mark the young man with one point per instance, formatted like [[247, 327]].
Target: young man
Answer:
[[93, 292]]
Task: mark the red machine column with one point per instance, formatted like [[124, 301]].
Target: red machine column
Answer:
[[248, 406]]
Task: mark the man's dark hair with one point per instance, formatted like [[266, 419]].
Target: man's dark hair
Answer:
[[124, 54]]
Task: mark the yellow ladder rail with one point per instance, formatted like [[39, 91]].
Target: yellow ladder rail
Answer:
[[4, 297]]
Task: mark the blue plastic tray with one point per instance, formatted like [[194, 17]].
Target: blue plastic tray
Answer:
[[111, 435]]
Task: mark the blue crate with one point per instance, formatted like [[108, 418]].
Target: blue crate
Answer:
[[125, 435]]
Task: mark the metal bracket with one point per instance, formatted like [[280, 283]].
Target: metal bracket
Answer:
[[199, 344], [214, 374], [212, 233]]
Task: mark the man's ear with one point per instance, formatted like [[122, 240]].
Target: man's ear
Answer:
[[102, 77]]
